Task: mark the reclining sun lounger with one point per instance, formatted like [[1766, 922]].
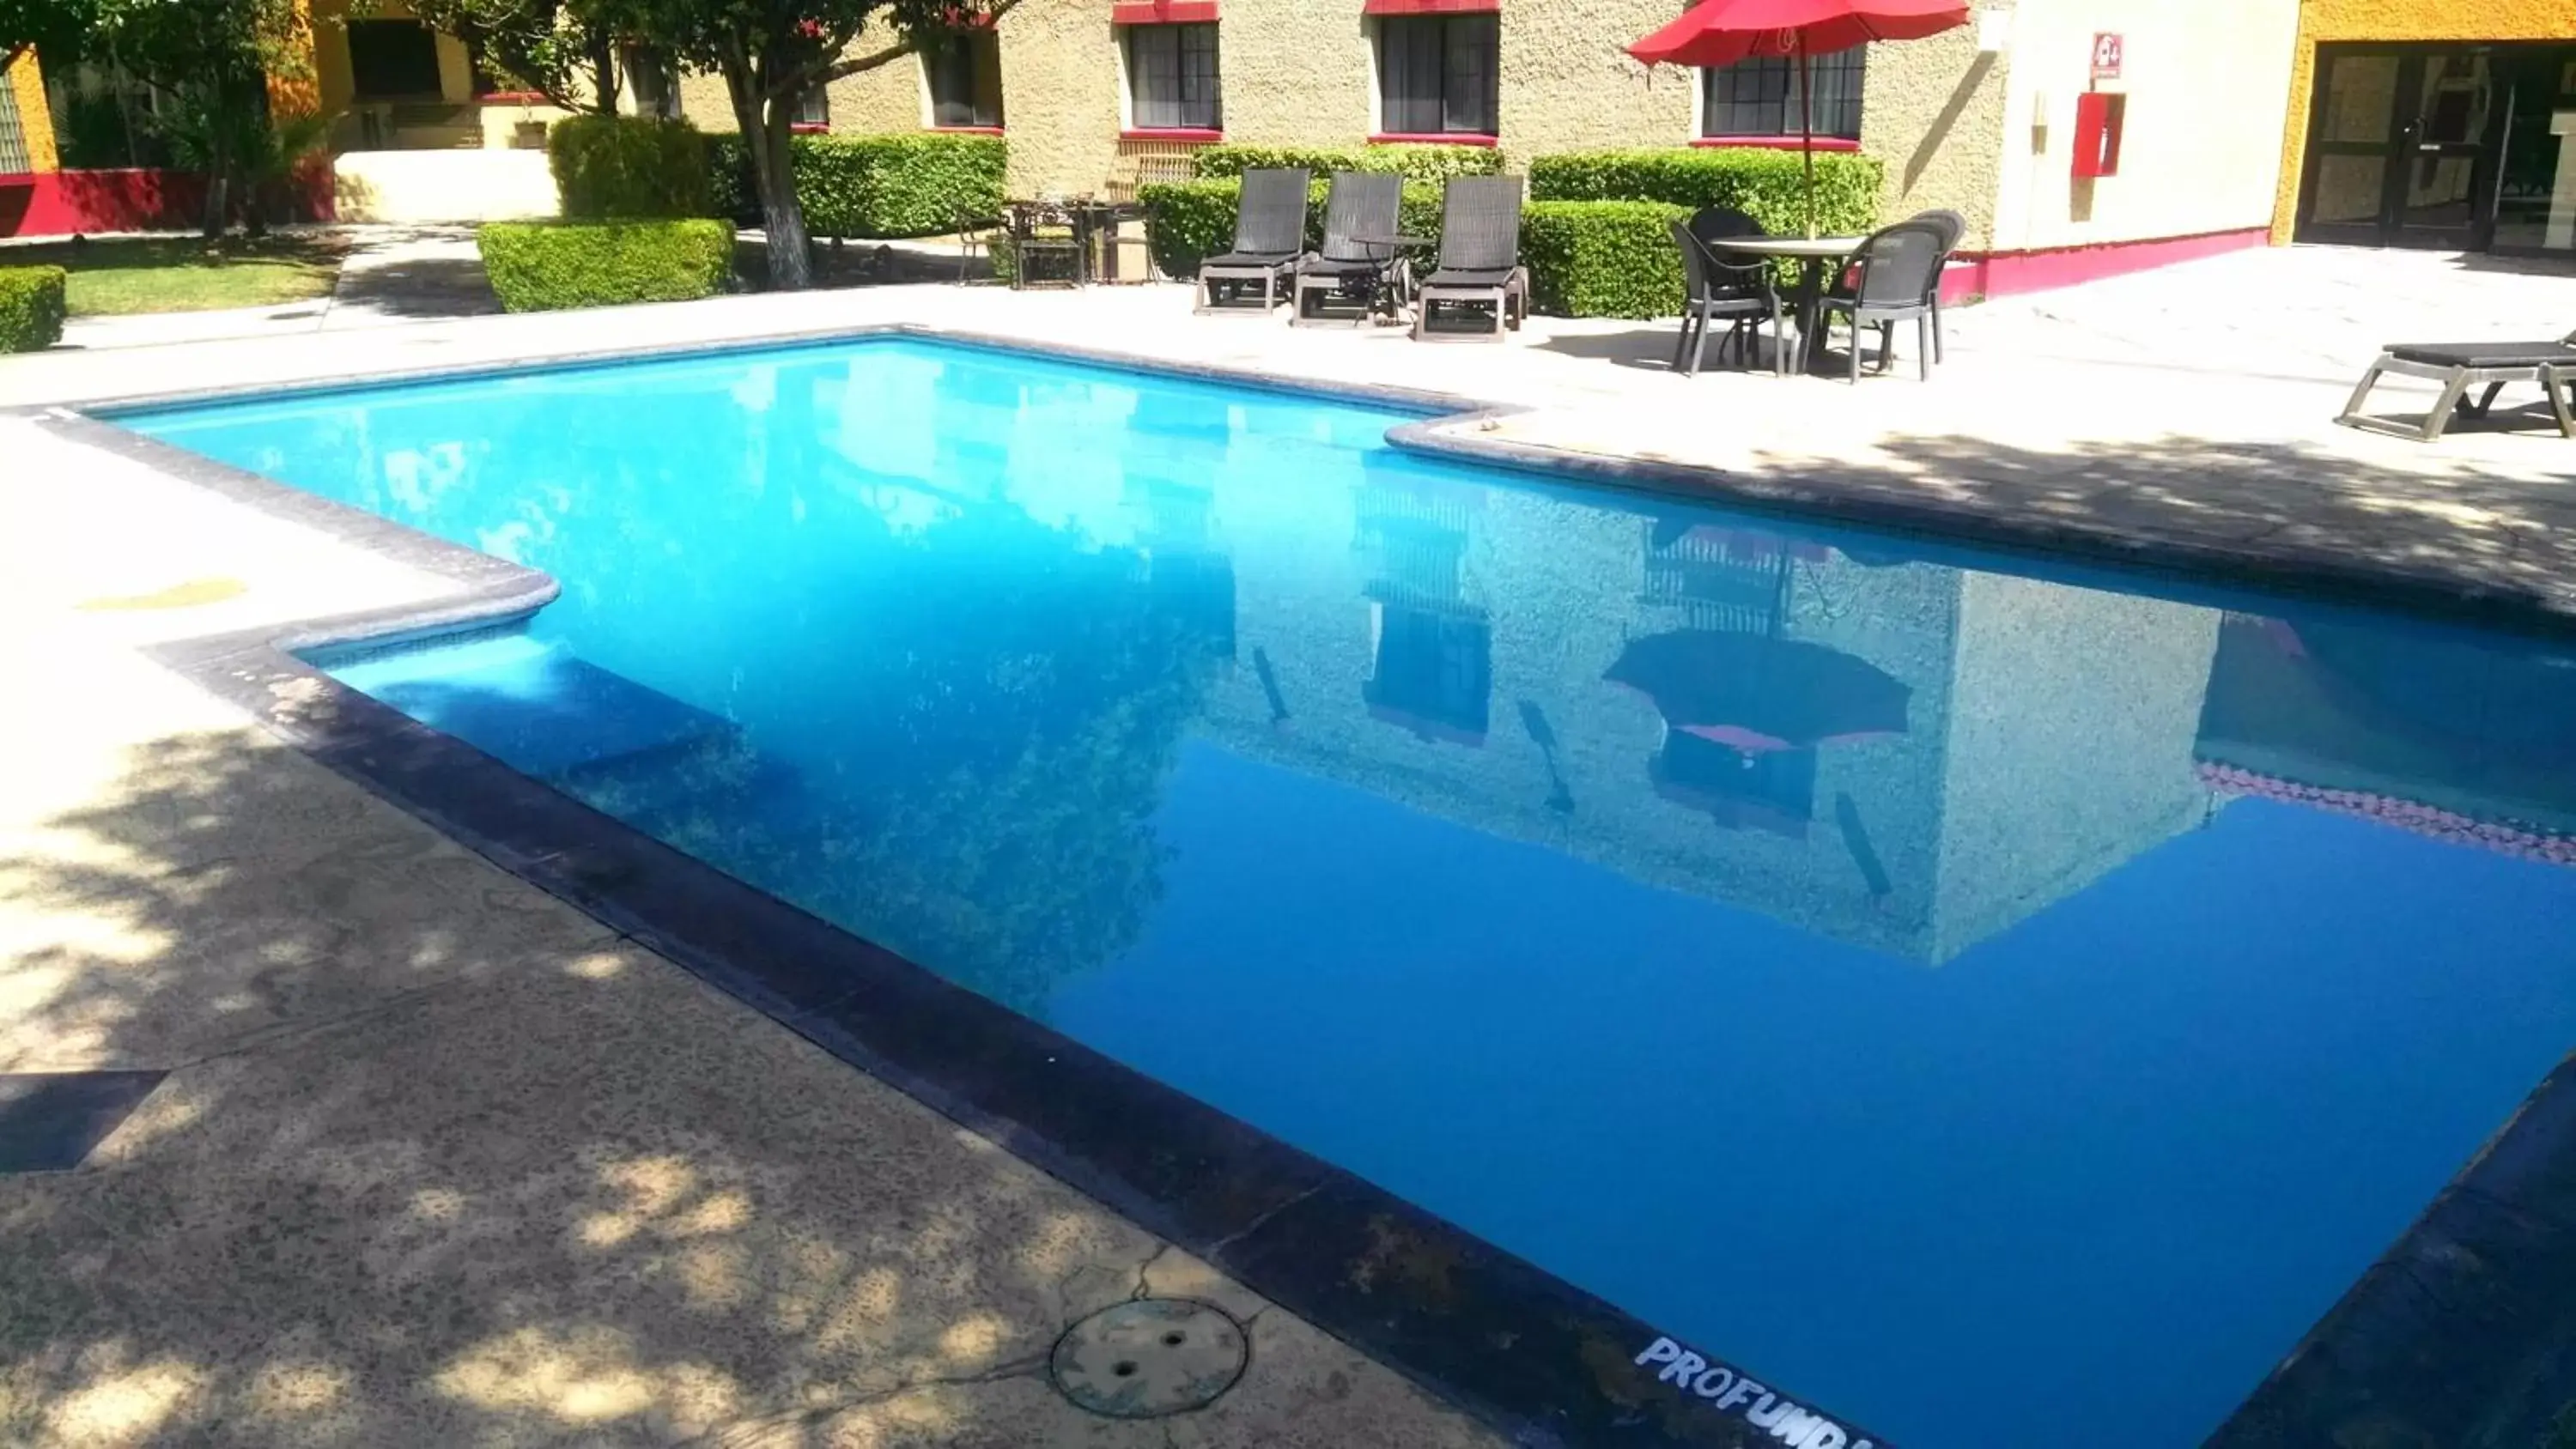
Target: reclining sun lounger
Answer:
[[2459, 366], [1269, 236]]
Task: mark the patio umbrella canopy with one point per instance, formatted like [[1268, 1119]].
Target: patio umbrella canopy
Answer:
[[1721, 32], [1755, 694]]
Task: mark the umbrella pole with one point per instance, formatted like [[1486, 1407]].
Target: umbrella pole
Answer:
[[1807, 126]]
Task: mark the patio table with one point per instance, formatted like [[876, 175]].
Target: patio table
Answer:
[[1811, 253], [1387, 297]]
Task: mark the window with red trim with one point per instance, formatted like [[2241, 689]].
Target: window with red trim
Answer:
[[1436, 74], [965, 72], [1172, 80], [1759, 96]]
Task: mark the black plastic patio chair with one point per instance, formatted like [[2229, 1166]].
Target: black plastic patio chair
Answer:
[[1480, 259], [1741, 293], [1361, 204], [1896, 271], [2459, 366], [1954, 229], [1723, 223], [1269, 237]]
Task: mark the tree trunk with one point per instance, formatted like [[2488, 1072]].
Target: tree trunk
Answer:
[[603, 73], [219, 177], [766, 130]]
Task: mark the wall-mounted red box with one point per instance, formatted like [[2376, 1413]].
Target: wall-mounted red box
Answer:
[[2099, 116]]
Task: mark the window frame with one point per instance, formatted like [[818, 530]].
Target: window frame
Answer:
[[1842, 80], [1472, 36], [1180, 112], [376, 25], [813, 110], [965, 56]]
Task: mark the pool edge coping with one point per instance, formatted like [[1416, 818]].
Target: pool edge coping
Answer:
[[1333, 1225], [1458, 426]]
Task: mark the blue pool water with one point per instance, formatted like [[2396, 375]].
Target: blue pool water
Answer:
[[1918, 982]]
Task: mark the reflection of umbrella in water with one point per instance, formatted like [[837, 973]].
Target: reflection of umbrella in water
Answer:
[[1755, 694]]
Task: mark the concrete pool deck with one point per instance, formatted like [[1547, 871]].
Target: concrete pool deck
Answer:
[[441, 1160]]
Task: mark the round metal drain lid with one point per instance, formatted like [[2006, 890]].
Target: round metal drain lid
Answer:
[[1149, 1357]]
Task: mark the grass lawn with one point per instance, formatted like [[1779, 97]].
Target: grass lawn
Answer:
[[119, 278]]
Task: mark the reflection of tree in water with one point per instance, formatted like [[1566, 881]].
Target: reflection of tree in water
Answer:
[[998, 729]]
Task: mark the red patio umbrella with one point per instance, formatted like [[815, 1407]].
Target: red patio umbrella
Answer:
[[1758, 695], [1721, 32]]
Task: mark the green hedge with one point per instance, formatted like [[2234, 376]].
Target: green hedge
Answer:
[[1769, 186], [31, 308], [1586, 258], [872, 186], [1603, 258], [1188, 220], [627, 167], [544, 266], [1413, 163]]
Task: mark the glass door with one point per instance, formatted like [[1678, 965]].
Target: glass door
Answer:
[[2449, 117], [2352, 142], [2536, 188], [2402, 147]]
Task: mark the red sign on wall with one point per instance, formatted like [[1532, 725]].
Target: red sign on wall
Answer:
[[2107, 46]]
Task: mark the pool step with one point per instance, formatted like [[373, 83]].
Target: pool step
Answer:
[[541, 709]]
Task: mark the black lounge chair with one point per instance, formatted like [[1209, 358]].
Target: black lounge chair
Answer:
[[1480, 258], [1741, 293], [2459, 366], [1269, 237], [1362, 204], [1899, 270]]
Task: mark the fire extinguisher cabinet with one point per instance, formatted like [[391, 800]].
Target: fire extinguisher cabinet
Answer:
[[2098, 119]]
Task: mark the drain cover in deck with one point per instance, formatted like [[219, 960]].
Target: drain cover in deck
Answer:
[[1149, 1357], [49, 1121]]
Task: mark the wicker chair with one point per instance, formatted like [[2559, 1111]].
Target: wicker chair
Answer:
[[1480, 258]]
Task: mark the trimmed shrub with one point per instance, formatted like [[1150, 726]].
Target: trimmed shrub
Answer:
[[870, 186], [610, 168], [1769, 186], [31, 308], [1603, 258], [731, 194], [545, 266], [879, 186], [1413, 163], [1187, 221]]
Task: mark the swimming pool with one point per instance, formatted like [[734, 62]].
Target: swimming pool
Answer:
[[1918, 983]]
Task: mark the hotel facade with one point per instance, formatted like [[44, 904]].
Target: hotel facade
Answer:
[[2078, 137]]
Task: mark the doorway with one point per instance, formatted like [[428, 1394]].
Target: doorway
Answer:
[[2402, 146]]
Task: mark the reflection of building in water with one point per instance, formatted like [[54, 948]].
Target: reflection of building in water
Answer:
[[1431, 642], [2459, 737], [2046, 731], [1187, 570]]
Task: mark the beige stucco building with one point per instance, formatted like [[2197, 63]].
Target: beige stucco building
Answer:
[[1982, 119]]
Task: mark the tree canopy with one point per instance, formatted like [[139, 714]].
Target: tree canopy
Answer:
[[57, 27], [566, 50], [773, 52]]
